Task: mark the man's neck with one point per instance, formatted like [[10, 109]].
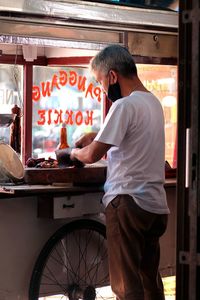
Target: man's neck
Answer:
[[130, 85]]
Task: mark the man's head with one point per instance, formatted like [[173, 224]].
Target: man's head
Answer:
[[111, 64]]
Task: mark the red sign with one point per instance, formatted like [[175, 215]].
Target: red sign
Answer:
[[63, 78]]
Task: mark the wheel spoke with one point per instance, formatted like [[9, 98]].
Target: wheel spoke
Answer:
[[55, 280]]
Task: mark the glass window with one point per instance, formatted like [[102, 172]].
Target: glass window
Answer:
[[11, 93], [161, 80], [63, 95], [70, 95]]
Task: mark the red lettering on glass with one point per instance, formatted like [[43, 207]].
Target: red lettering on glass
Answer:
[[79, 118], [56, 116], [97, 92], [46, 91], [59, 116], [35, 93], [69, 120], [63, 77], [89, 90], [72, 78], [42, 120], [89, 117], [54, 82], [49, 116], [81, 83]]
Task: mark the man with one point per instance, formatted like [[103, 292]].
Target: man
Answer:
[[135, 201]]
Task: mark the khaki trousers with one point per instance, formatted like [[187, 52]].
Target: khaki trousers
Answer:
[[133, 250]]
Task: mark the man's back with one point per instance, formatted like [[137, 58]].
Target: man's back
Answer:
[[135, 126]]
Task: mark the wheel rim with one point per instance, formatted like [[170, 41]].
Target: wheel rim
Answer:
[[76, 266]]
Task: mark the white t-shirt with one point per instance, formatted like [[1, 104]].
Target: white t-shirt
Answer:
[[134, 126]]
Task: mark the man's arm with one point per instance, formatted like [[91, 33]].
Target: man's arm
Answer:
[[85, 139], [91, 153]]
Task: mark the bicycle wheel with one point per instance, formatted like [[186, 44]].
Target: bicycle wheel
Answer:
[[73, 263]]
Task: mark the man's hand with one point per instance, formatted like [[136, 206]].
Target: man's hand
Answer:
[[74, 153], [85, 140], [90, 153]]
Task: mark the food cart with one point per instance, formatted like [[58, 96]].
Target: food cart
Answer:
[[55, 242]]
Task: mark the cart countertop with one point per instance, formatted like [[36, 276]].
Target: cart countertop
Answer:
[[28, 189]]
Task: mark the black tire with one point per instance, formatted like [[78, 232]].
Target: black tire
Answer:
[[73, 263]]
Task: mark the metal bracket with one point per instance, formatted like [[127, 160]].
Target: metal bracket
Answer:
[[185, 258], [189, 15]]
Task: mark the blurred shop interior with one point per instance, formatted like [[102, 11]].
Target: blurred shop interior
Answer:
[[68, 55]]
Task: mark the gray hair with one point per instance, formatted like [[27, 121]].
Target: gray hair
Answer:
[[114, 57]]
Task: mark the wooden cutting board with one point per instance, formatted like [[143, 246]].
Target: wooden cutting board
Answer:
[[78, 176]]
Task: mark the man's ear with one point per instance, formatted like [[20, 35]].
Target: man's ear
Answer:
[[113, 76]]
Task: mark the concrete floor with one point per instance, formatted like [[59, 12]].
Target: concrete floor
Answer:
[[169, 286]]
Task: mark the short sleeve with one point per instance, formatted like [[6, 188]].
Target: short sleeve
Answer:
[[115, 125]]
